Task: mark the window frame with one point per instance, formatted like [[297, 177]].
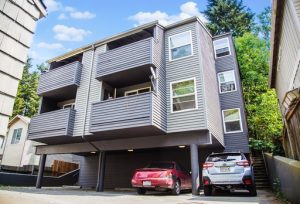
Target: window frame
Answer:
[[13, 139], [137, 91], [69, 104], [169, 46], [221, 48], [240, 120], [195, 94], [234, 79]]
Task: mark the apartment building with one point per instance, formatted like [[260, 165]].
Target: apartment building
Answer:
[[285, 70], [18, 20], [153, 93]]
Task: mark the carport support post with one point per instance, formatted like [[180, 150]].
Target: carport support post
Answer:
[[39, 179], [101, 171], [195, 169]]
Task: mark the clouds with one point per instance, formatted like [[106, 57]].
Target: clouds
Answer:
[[65, 33], [50, 46], [52, 5], [187, 10], [82, 15]]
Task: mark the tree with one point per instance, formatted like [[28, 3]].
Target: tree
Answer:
[[27, 100], [229, 16], [263, 28], [263, 116]]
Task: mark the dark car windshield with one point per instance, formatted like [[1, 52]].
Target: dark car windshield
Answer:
[[161, 165], [224, 157]]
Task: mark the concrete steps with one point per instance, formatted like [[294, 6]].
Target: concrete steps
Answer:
[[260, 173]]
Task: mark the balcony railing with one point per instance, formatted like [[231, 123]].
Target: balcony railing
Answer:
[[137, 54], [50, 125], [62, 77], [129, 112]]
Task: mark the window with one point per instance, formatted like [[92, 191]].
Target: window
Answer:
[[232, 120], [69, 105], [180, 45], [137, 91], [16, 136], [1, 142], [221, 47], [226, 81], [183, 95]]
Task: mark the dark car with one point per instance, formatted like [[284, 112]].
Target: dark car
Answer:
[[161, 176]]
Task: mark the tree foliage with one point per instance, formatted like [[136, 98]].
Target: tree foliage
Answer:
[[229, 16], [27, 100]]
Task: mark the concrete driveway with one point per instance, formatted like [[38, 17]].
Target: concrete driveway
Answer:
[[29, 195]]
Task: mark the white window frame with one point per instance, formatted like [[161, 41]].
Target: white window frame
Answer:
[[220, 91], [191, 42], [240, 120], [228, 44], [13, 139], [137, 90], [195, 93], [68, 104]]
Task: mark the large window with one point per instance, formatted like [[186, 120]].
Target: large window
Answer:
[[232, 120], [16, 136], [221, 47], [180, 45], [183, 95], [226, 81]]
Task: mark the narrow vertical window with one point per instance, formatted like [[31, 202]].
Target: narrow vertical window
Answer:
[[180, 45], [232, 120], [183, 95], [16, 136], [226, 81], [221, 47]]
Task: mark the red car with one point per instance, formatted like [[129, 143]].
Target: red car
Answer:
[[161, 176]]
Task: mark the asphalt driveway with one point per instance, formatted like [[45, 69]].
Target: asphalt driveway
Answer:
[[68, 195]]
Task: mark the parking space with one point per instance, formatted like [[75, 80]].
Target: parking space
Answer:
[[68, 195]]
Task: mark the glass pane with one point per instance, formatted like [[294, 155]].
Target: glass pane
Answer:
[[233, 126], [226, 76], [182, 88], [182, 51], [221, 43], [183, 99], [230, 115], [222, 52], [228, 86], [144, 90], [180, 40], [184, 105]]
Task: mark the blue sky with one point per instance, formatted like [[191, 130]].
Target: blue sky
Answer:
[[73, 23]]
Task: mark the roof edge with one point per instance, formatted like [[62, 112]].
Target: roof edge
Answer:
[[41, 6]]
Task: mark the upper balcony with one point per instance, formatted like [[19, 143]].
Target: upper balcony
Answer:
[[61, 81], [52, 127], [134, 55], [127, 116]]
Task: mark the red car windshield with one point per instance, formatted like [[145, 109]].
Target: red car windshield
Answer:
[[160, 165]]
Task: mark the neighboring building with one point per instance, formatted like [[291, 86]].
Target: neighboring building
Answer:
[[17, 25], [285, 69], [151, 93], [19, 153]]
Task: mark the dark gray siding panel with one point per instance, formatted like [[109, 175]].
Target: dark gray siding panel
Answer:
[[88, 171], [179, 70], [52, 124], [129, 56], [233, 141], [211, 93], [61, 77]]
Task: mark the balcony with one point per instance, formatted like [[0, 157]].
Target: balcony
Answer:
[[137, 55], [52, 127], [60, 82], [128, 116]]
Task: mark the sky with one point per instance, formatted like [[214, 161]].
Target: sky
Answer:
[[71, 24]]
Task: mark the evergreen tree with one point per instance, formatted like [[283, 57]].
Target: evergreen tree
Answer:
[[229, 16], [263, 28], [27, 100]]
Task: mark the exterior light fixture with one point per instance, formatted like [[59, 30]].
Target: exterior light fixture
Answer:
[[93, 152], [181, 146], [130, 150]]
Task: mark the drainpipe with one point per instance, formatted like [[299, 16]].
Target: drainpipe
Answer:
[[87, 101]]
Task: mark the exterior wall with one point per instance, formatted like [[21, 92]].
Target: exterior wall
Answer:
[[211, 93], [18, 21], [289, 51], [233, 141], [181, 69]]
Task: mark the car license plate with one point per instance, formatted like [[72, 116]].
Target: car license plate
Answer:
[[146, 183], [224, 169]]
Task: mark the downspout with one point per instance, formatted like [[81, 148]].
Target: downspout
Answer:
[[87, 101]]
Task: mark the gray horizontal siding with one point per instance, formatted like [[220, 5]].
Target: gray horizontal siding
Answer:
[[179, 70], [129, 56], [120, 113], [60, 77], [233, 141], [52, 124]]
